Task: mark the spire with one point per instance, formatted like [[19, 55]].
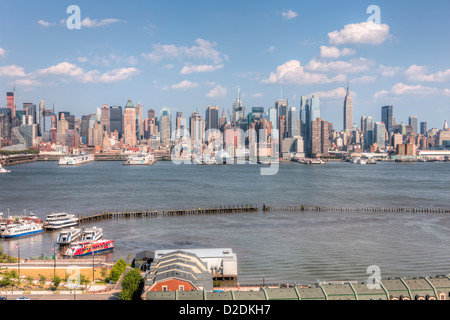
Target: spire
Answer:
[[348, 88]]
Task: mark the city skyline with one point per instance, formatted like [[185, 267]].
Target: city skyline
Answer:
[[204, 57]]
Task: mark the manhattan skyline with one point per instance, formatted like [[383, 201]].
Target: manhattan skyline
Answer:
[[188, 56]]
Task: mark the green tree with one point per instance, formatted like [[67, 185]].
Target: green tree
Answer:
[[56, 282], [131, 286], [117, 270], [42, 279]]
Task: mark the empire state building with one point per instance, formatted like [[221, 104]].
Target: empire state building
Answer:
[[348, 111]]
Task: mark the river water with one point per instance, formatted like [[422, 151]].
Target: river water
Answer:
[[299, 247]]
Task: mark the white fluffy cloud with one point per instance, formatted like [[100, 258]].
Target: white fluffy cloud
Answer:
[[184, 85], [12, 71], [188, 69], [364, 33], [217, 91], [203, 49], [403, 89], [335, 52], [292, 72], [337, 93], [67, 69], [2, 53], [352, 66], [419, 73], [389, 71], [93, 23], [289, 14]]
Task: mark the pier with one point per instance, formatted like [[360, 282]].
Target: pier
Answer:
[[18, 159], [137, 213]]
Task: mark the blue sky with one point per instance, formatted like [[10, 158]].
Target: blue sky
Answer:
[[189, 54]]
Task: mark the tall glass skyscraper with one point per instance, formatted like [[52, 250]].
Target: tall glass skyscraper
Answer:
[[414, 122], [387, 117], [368, 132]]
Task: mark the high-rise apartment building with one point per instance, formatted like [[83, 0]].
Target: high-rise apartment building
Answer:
[[423, 128], [11, 103], [320, 138], [380, 134], [368, 132]]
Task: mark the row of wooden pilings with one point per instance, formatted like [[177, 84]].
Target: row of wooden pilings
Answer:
[[354, 209], [135, 213]]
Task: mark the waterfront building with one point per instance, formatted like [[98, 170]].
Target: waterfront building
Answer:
[[274, 120], [387, 117], [129, 124], [348, 111], [292, 122]]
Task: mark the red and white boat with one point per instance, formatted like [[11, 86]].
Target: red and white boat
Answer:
[[87, 248]]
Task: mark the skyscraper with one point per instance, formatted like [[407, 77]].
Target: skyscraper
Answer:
[[212, 117], [105, 119], [387, 117], [165, 130], [413, 121], [139, 121], [423, 128], [368, 132], [380, 135], [274, 120], [196, 127], [11, 103], [41, 117], [238, 109], [129, 124], [320, 140], [348, 111], [116, 120], [281, 106], [315, 107], [292, 122]]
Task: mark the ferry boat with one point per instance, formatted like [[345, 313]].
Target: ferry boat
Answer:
[[19, 230], [92, 234], [3, 170], [68, 236], [58, 221], [76, 159], [141, 159], [86, 248]]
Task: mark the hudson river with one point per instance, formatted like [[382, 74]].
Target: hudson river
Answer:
[[299, 247]]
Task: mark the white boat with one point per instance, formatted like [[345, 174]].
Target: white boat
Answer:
[[56, 221], [3, 170], [92, 234], [22, 229], [76, 159], [68, 236], [358, 160], [140, 159]]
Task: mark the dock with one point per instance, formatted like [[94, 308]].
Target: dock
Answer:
[[137, 213]]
